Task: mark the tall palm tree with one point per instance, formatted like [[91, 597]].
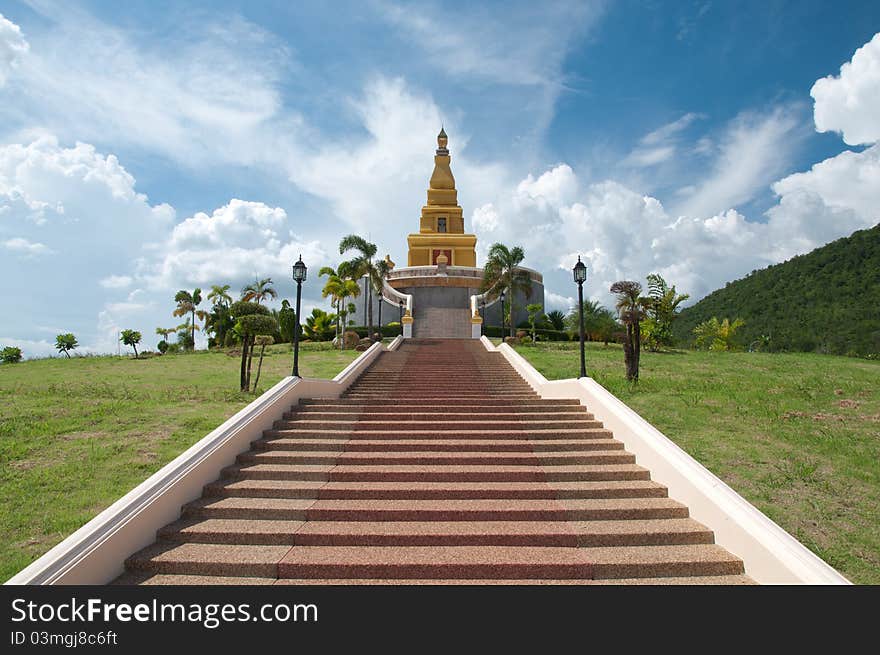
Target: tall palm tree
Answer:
[[362, 265], [186, 304], [219, 295], [338, 288], [383, 268], [632, 307], [502, 272], [259, 290]]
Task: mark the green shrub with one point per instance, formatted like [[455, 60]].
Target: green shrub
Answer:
[[10, 354]]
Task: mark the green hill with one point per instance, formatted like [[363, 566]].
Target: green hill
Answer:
[[825, 301]]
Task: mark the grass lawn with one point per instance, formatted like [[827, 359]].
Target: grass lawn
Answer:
[[77, 434], [798, 435]]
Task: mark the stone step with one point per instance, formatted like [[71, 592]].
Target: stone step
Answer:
[[688, 581], [437, 445], [532, 433], [390, 415], [520, 405], [428, 458], [663, 561], [438, 425], [503, 533], [320, 472], [287, 509], [434, 562], [439, 533], [209, 559], [171, 579], [258, 488], [478, 563]]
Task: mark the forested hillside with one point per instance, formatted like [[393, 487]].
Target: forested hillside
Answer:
[[826, 301]]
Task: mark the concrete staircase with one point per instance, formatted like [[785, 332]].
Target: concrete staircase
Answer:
[[439, 465], [442, 323]]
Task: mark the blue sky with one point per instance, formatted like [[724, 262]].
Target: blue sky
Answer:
[[151, 146]]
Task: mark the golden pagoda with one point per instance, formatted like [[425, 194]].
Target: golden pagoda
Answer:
[[441, 227]]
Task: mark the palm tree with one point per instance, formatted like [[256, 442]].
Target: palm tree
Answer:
[[219, 295], [662, 312], [259, 290], [338, 289], [186, 304], [502, 272], [632, 307], [557, 319], [362, 265], [131, 338], [383, 268], [164, 332]]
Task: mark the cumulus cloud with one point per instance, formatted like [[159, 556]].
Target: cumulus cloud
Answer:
[[25, 247], [234, 244], [13, 46], [850, 103]]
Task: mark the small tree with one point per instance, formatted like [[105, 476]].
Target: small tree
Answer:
[[717, 335], [536, 311], [10, 354], [632, 309], [556, 318], [662, 311], [262, 340], [64, 343], [252, 319], [131, 338], [320, 326], [286, 321]]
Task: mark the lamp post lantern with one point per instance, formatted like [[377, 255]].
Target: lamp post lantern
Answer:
[[503, 327], [400, 304], [580, 275], [299, 276]]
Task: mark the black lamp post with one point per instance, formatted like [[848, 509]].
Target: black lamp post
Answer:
[[502, 316], [580, 275], [299, 276], [400, 304], [483, 314]]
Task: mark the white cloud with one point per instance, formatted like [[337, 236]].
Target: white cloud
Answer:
[[236, 243], [660, 145], [13, 46], [116, 281], [25, 247], [850, 104], [557, 301], [526, 48], [753, 152], [207, 99], [485, 218]]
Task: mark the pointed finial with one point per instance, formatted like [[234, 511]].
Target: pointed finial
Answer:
[[442, 140]]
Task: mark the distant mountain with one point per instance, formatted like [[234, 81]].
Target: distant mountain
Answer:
[[825, 301]]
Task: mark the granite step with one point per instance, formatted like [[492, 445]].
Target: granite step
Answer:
[[437, 445], [234, 560], [438, 533], [723, 580], [448, 425], [428, 458], [259, 488], [444, 562], [516, 434], [589, 509]]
